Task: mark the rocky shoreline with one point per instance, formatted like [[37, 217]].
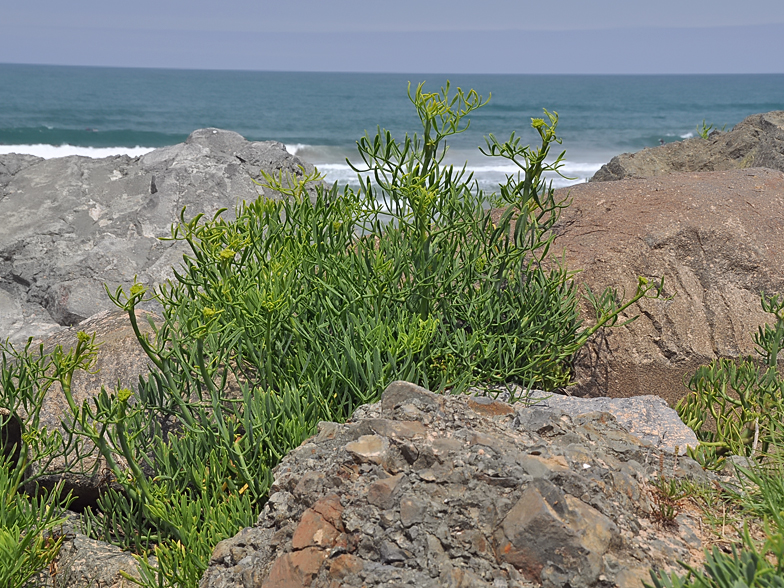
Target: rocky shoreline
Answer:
[[424, 489], [757, 141]]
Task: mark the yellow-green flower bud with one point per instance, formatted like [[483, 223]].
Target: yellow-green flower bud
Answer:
[[123, 394]]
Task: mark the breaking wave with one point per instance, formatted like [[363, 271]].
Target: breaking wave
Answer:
[[50, 151]]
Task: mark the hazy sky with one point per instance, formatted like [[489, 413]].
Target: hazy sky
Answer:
[[411, 36]]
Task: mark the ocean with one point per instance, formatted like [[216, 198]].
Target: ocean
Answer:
[[54, 111]]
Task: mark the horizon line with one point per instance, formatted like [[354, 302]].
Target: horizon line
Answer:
[[391, 72]]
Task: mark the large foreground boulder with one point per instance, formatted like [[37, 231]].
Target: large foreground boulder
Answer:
[[426, 490], [72, 224], [757, 141], [718, 240]]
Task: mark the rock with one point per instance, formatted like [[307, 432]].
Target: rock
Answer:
[[757, 141], [647, 417], [548, 534], [120, 361], [20, 319], [11, 163], [86, 562], [73, 224], [426, 490], [717, 239]]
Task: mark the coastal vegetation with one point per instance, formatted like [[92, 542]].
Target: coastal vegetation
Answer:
[[300, 309], [704, 130], [735, 408]]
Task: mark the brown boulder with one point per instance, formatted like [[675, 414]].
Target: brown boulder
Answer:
[[757, 141], [119, 362], [717, 238]]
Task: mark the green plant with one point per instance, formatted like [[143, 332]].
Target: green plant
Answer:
[[704, 130], [667, 497], [760, 488], [310, 307], [27, 545], [26, 377], [743, 398], [182, 492], [28, 542]]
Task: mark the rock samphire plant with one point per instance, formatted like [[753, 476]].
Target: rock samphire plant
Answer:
[[735, 405], [704, 130], [735, 408], [301, 309], [28, 523], [27, 541]]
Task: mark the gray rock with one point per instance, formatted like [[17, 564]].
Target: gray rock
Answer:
[[426, 490], [757, 141], [20, 319], [73, 224], [548, 535], [648, 418], [84, 562], [11, 163]]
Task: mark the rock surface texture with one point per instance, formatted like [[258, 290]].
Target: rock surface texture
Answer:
[[646, 417], [757, 141], [425, 490], [83, 562], [716, 237], [72, 224]]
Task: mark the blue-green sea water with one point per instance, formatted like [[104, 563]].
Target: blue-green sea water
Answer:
[[55, 110]]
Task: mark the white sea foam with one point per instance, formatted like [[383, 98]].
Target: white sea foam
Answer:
[[568, 167], [336, 167], [488, 176], [578, 167], [688, 135], [50, 151], [489, 172], [296, 148]]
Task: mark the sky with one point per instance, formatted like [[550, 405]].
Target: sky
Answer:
[[407, 36]]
